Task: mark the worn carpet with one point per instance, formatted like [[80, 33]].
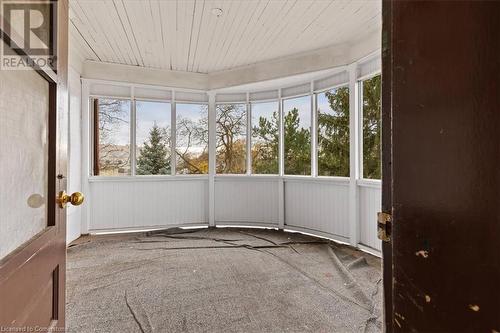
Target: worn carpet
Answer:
[[220, 280]]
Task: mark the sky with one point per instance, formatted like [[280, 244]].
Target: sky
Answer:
[[149, 112], [264, 109], [121, 131], [322, 103], [195, 112], [303, 104], [191, 111]]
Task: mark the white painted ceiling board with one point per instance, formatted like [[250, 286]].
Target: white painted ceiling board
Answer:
[[185, 35]]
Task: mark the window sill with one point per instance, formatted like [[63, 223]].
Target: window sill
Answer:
[[151, 178], [375, 183]]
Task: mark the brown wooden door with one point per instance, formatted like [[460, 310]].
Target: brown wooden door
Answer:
[[441, 119], [387, 161], [33, 247]]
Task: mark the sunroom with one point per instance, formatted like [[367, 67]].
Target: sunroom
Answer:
[[232, 114], [225, 164], [268, 144], [249, 166]]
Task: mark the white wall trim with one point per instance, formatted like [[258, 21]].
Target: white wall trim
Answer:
[[337, 238], [86, 156], [374, 183], [353, 156], [320, 60], [211, 158], [145, 228], [146, 178], [143, 75], [311, 61]]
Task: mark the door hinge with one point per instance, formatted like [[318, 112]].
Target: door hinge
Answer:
[[384, 221]]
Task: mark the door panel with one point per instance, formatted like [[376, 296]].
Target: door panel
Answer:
[[444, 102], [34, 301], [24, 110]]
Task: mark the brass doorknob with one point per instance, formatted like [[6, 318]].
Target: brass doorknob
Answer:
[[76, 199]]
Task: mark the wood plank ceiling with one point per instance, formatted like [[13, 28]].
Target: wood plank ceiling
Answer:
[[186, 35]]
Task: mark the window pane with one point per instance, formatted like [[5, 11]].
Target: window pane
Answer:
[[297, 134], [152, 138], [231, 138], [112, 156], [371, 128], [265, 138], [192, 138], [333, 132]]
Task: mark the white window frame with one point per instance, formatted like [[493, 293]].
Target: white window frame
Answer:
[[360, 82], [132, 129], [174, 140], [282, 137], [247, 132], [250, 103], [340, 85], [92, 142]]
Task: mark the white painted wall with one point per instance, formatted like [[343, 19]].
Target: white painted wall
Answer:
[[243, 199], [370, 201], [318, 205], [150, 202], [74, 214]]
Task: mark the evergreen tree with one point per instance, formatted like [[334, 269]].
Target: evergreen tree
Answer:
[[297, 145], [372, 106], [265, 149], [153, 157], [333, 135]]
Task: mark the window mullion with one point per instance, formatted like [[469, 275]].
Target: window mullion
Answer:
[[211, 158], [354, 161], [314, 133], [94, 154], [133, 148], [360, 156], [281, 136], [173, 135], [249, 136]]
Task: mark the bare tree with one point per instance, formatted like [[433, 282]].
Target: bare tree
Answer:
[[231, 141], [193, 134], [112, 114]]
